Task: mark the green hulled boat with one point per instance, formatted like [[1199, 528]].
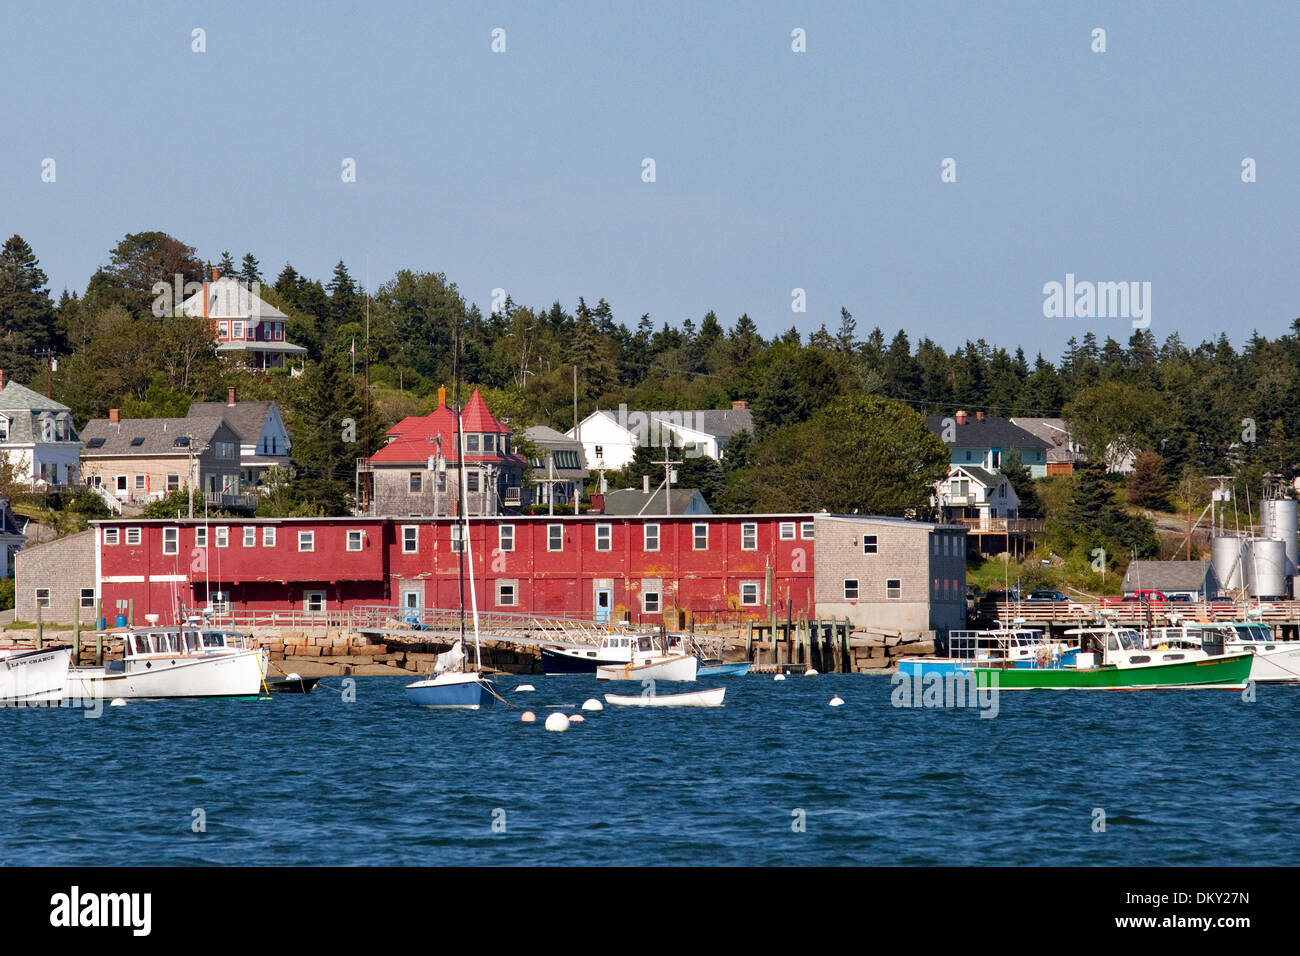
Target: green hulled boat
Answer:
[[1109, 658]]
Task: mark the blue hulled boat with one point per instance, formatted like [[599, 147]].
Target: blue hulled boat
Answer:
[[462, 689], [719, 669]]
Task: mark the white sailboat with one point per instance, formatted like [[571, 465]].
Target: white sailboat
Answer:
[[451, 686]]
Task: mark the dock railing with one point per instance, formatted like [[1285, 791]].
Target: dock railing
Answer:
[[436, 623]]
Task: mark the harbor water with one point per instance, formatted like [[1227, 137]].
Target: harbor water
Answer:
[[774, 777]]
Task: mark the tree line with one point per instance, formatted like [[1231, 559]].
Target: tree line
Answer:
[[837, 414]]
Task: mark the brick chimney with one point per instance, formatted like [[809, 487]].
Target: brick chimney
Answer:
[[442, 395], [979, 416], [2, 379], [961, 417], [114, 416], [216, 274], [230, 395], [739, 406]]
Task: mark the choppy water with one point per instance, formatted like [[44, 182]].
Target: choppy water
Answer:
[[1197, 777]]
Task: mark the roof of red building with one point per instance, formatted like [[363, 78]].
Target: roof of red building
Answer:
[[479, 418], [414, 439]]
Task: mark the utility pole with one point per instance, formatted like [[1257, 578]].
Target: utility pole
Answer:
[[668, 480], [51, 366], [192, 448]]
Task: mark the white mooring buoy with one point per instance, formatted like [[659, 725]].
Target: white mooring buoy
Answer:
[[557, 722], [117, 702], [810, 672], [524, 687], [592, 703], [528, 717], [837, 701], [577, 719], [778, 677]]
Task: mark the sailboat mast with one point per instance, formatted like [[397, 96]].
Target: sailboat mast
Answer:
[[460, 478]]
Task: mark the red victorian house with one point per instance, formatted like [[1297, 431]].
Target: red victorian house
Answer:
[[244, 324], [417, 474]]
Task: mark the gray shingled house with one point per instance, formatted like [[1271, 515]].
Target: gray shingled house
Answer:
[[266, 441], [133, 461]]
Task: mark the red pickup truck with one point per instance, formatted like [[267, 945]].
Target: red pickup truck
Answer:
[[1139, 597]]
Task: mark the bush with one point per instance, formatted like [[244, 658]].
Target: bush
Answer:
[[6, 594]]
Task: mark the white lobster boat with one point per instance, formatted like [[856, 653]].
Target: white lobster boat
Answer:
[[651, 662], [676, 667], [184, 661], [30, 676], [1275, 662]]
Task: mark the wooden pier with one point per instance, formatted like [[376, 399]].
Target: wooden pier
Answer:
[[822, 644]]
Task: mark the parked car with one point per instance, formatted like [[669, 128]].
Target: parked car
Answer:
[[1055, 597], [1180, 599]]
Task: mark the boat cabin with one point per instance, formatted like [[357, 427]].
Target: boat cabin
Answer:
[[182, 642]]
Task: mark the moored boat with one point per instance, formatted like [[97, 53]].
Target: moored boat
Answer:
[[722, 669], [179, 661], [1111, 658], [31, 676], [614, 649], [461, 690], [1275, 661], [699, 698], [1017, 646]]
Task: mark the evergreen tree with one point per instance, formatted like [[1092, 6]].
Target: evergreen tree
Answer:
[[1148, 485], [845, 340], [1023, 483], [326, 463], [250, 271], [227, 264], [26, 310]]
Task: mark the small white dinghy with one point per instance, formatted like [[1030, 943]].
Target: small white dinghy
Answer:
[[698, 698]]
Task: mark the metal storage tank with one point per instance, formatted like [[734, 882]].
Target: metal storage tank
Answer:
[[1266, 571], [1284, 528], [1226, 553]]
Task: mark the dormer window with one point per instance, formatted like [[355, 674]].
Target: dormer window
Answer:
[[489, 443], [471, 443]]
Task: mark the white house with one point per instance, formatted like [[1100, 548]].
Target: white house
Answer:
[[37, 437], [971, 496], [610, 439], [265, 441]]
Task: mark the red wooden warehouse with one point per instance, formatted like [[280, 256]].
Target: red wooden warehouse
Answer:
[[590, 566]]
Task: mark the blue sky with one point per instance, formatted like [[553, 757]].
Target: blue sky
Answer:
[[775, 170]]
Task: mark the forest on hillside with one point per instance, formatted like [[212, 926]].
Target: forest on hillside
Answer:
[[837, 409]]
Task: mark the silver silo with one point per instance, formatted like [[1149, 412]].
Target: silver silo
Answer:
[[1266, 571], [1226, 553]]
